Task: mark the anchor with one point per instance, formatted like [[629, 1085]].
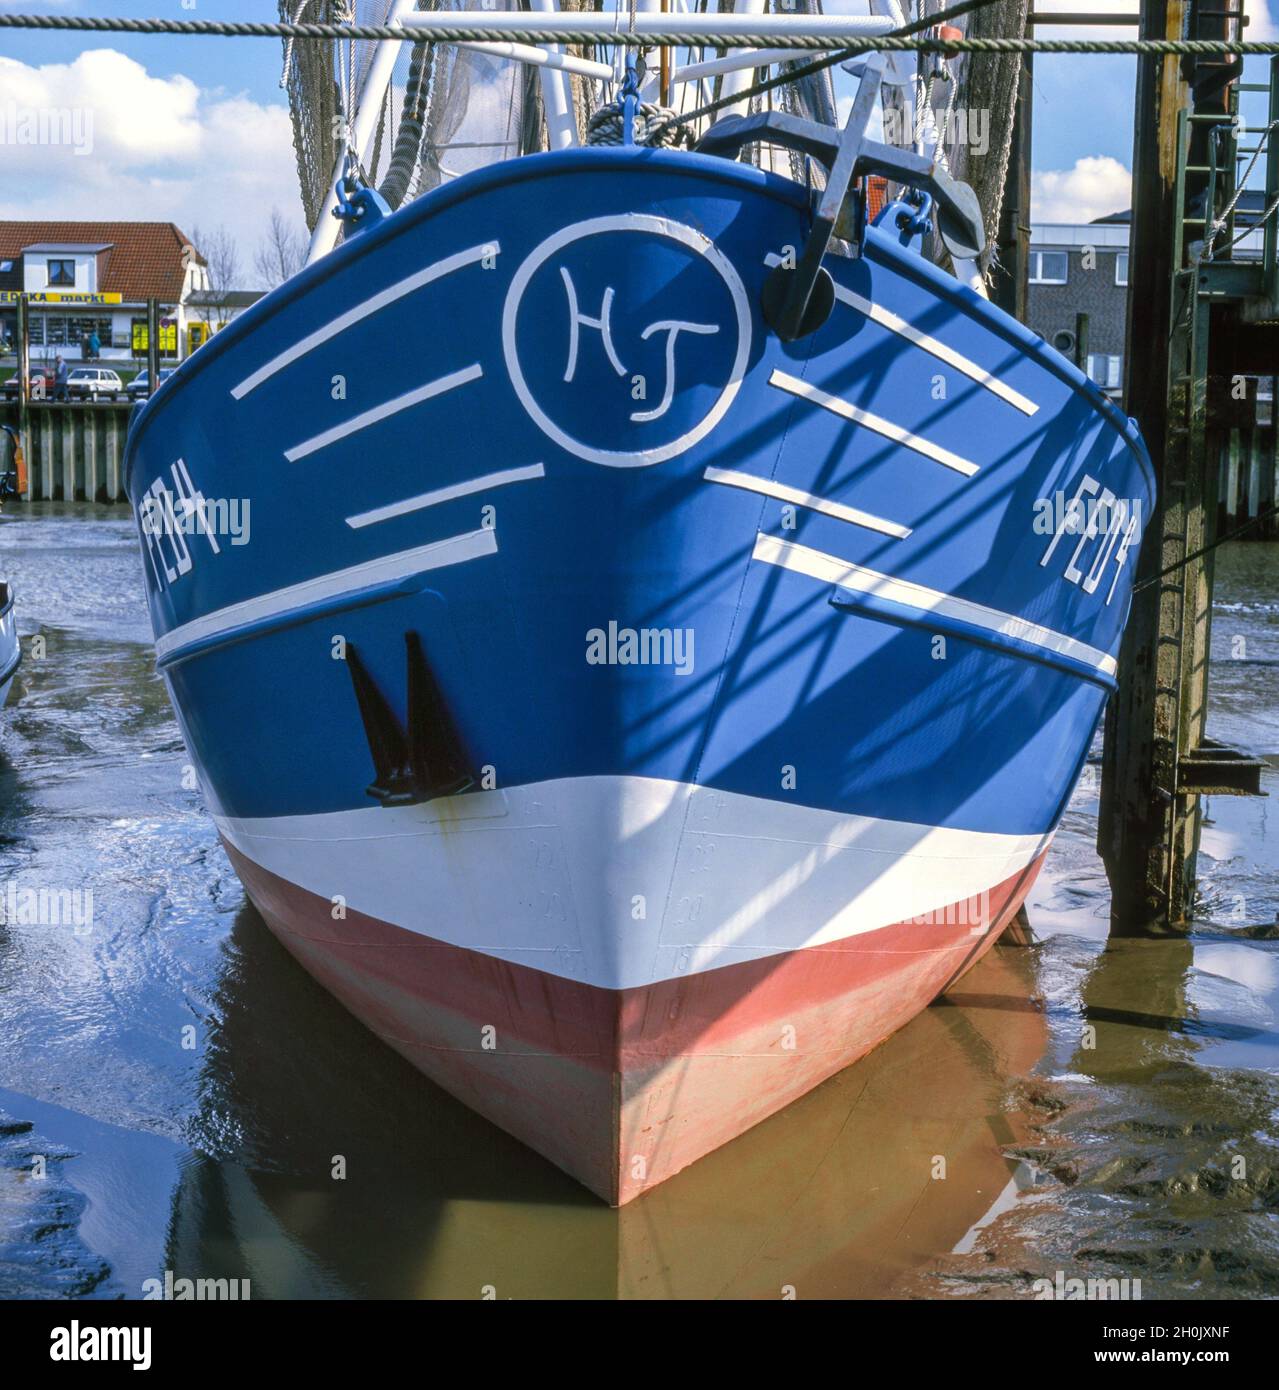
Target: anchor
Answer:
[[798, 299]]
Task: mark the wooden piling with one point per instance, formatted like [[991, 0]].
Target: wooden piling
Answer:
[[1184, 312], [1146, 832], [75, 452]]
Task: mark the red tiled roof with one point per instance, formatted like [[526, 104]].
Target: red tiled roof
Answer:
[[145, 260]]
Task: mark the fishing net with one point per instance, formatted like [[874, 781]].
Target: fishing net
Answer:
[[314, 99], [450, 109], [446, 110]]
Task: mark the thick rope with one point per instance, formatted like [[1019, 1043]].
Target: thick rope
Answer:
[[408, 136], [653, 125], [672, 38]]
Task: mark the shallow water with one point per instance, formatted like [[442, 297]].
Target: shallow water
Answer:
[[188, 1091]]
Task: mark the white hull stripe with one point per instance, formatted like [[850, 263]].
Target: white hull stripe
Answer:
[[769, 876], [362, 310], [785, 382], [456, 550], [766, 487], [381, 412], [896, 324], [802, 559], [447, 494]]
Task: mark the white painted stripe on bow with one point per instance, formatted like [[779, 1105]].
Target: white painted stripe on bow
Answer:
[[785, 382], [362, 310], [767, 487], [896, 324], [383, 411], [447, 494], [904, 329], [782, 877], [454, 550], [830, 569]]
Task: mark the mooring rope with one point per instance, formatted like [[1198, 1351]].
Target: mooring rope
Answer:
[[1198, 554], [1218, 224], [667, 38], [653, 125]]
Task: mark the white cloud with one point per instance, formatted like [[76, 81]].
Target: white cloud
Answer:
[[1095, 187], [1265, 21], [131, 145]]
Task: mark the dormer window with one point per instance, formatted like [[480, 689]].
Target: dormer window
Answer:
[[62, 273]]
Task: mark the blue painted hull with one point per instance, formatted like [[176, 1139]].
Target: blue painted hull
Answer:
[[537, 420], [857, 701]]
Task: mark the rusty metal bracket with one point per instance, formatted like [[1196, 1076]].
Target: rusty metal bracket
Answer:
[[1212, 768]]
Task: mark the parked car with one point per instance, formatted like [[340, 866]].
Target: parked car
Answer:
[[42, 382], [140, 386], [94, 384]]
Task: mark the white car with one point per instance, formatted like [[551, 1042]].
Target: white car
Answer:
[[94, 384]]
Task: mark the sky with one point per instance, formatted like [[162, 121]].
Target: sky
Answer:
[[196, 130]]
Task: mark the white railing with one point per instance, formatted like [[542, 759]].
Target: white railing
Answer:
[[689, 29]]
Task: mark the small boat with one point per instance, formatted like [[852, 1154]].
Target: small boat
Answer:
[[674, 616], [10, 650], [12, 484]]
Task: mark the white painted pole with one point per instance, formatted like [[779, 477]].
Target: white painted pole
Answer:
[[740, 78], [544, 58], [744, 58], [557, 86], [368, 109]]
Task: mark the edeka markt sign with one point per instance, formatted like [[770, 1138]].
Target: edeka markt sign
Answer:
[[59, 297]]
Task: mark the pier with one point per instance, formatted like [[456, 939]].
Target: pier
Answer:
[[74, 452], [1207, 323]]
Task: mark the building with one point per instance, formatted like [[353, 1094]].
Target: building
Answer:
[[93, 279], [1081, 268], [1077, 269], [209, 310]]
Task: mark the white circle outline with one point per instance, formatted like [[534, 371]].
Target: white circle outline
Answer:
[[628, 222]]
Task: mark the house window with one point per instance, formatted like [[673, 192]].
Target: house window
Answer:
[[62, 273], [1049, 267], [1121, 268], [1106, 369]]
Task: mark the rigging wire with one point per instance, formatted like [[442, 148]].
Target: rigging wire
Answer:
[[799, 71]]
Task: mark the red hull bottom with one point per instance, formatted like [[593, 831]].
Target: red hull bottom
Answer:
[[623, 1088]]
